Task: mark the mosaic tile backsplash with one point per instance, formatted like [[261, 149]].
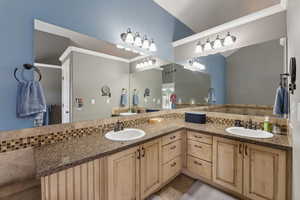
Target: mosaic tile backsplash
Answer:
[[103, 127]]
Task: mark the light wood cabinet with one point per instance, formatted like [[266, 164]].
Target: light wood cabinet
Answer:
[[199, 167], [228, 164], [264, 173], [150, 167], [84, 181], [171, 169], [123, 171], [135, 173]]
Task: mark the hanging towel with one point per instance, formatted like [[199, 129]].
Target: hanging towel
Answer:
[[46, 116], [281, 105], [31, 101], [123, 100], [135, 100]]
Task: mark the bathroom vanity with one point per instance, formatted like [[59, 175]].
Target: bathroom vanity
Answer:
[[93, 167]]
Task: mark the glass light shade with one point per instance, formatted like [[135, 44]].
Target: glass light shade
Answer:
[[137, 40], [127, 49], [229, 40], [153, 46], [129, 37], [120, 46], [198, 48], [145, 43], [217, 43], [207, 46], [137, 66]]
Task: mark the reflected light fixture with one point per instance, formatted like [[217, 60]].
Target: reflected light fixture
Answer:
[[152, 46], [129, 37], [207, 46], [194, 65], [120, 46], [229, 40], [217, 43], [137, 40], [199, 48], [145, 43]]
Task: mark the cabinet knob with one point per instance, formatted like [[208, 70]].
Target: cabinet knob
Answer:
[[143, 152], [173, 147], [197, 146], [138, 154], [173, 164], [246, 150], [173, 137], [197, 163]]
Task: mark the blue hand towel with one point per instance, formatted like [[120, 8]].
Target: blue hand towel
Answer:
[[281, 105], [135, 100], [31, 101], [123, 100]]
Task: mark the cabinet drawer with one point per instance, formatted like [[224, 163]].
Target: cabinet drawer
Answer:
[[200, 137], [172, 168], [200, 150], [171, 137], [199, 167], [171, 151]]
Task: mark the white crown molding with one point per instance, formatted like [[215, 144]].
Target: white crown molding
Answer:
[[138, 58], [234, 23], [90, 52], [47, 65]]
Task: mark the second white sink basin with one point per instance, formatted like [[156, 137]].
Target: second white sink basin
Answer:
[[125, 135], [249, 132]]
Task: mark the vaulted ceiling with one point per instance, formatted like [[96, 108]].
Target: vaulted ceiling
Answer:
[[201, 15]]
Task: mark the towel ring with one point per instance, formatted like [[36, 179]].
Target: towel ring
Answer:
[[28, 67]]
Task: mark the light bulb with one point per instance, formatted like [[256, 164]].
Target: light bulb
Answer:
[[129, 37], [152, 46], [137, 40], [198, 48], [217, 43], [149, 62], [137, 66], [145, 43], [120, 46], [229, 40]]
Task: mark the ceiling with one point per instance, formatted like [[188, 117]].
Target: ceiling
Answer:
[[201, 15], [50, 43]]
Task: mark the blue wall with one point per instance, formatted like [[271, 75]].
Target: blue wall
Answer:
[[103, 19], [216, 66]]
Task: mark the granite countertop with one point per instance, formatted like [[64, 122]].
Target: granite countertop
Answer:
[[56, 157]]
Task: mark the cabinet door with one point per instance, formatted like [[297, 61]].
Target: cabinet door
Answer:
[[228, 164], [264, 173], [123, 175], [150, 167]]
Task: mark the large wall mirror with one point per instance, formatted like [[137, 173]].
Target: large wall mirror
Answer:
[[84, 78]]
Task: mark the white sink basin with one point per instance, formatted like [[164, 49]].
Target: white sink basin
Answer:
[[249, 132], [125, 135], [127, 114]]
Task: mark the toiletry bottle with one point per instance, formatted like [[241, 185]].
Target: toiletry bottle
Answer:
[[267, 124]]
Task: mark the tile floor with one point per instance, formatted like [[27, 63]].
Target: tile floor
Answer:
[[185, 188]]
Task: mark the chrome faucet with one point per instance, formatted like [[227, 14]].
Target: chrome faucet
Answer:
[[119, 126], [250, 125]]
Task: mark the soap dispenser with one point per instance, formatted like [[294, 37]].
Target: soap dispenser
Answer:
[[267, 124]]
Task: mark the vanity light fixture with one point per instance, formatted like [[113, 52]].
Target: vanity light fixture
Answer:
[[146, 64], [146, 43], [136, 40], [152, 46], [217, 43], [194, 65], [199, 48], [120, 46], [207, 46], [229, 39], [129, 37]]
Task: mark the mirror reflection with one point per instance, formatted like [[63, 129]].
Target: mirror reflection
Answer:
[[86, 79]]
